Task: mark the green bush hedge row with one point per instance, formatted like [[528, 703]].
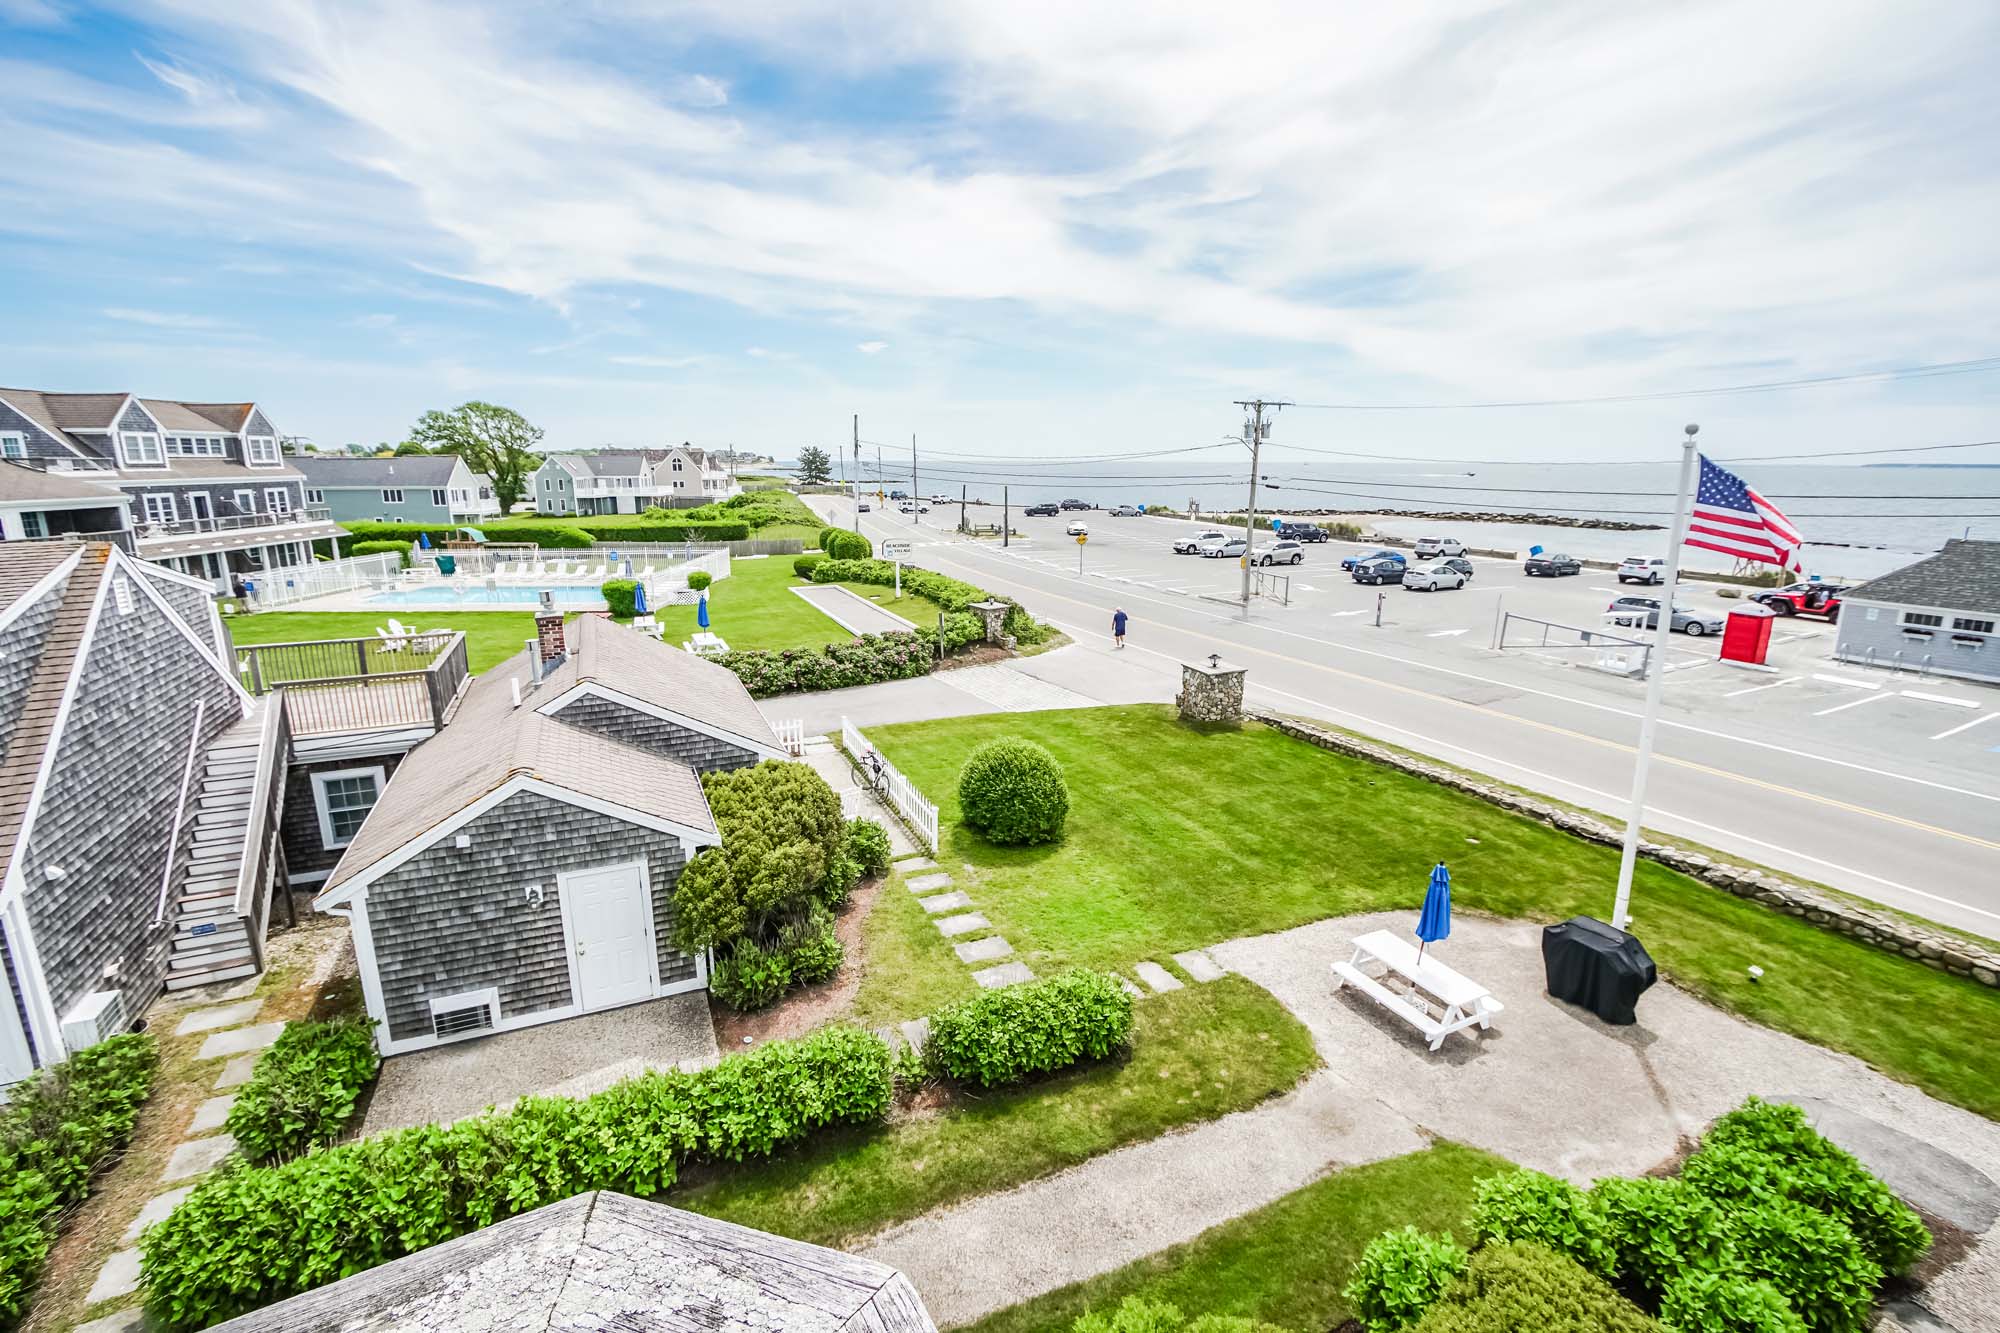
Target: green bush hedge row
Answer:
[[552, 533], [950, 593], [1515, 1287], [845, 544], [56, 1128], [866, 660], [1037, 1027], [304, 1089], [803, 565], [248, 1235], [400, 549], [1013, 792], [1135, 1314], [784, 851]]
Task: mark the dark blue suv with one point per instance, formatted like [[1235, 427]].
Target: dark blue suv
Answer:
[[1382, 567]]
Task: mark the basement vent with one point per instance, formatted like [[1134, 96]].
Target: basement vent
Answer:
[[467, 1015]]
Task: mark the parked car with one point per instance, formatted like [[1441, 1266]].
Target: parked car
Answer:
[[1459, 563], [1687, 620], [1040, 511], [1192, 545], [1125, 511], [1638, 569], [1229, 548], [942, 499], [1433, 576], [1284, 552], [863, 508], [1350, 561], [914, 507], [1078, 528], [1430, 548], [1804, 599], [897, 495], [1303, 532], [1553, 566], [1385, 568], [1078, 504]]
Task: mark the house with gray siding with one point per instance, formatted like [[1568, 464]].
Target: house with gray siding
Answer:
[[206, 486], [139, 789], [1940, 615], [519, 867], [438, 489], [614, 481]]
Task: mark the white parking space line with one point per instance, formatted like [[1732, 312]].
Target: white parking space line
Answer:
[[1966, 726], [1444, 633], [1338, 614], [1848, 680], [1940, 699], [1759, 689], [1854, 703]]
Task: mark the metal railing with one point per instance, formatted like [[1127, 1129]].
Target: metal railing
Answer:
[[195, 527], [1614, 652], [335, 685], [889, 783], [180, 814]]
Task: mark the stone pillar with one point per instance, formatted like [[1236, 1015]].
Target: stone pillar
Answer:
[[995, 616], [1211, 692]]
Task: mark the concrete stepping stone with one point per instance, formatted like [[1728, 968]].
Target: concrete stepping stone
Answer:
[[1003, 974], [889, 1037], [983, 951], [197, 1156], [1200, 966], [1157, 977], [127, 1320], [946, 902], [238, 1041], [223, 1016], [156, 1210], [916, 1031], [909, 864], [1130, 989], [963, 924], [118, 1277], [212, 1114], [929, 883], [237, 1072]]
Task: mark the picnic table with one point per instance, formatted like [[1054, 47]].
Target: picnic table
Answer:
[[705, 644], [1462, 1001]]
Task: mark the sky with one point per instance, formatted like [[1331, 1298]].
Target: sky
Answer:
[[1027, 229]]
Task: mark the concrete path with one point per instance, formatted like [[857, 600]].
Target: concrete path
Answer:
[[851, 611]]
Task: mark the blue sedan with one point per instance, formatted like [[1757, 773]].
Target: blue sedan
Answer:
[[1349, 562]]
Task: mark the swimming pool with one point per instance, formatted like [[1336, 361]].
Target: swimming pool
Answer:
[[573, 597]]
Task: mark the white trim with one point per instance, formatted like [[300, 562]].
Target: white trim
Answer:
[[319, 781], [249, 458], [371, 976], [44, 1031], [14, 610], [270, 508], [226, 670], [56, 435], [172, 508], [691, 837], [569, 929], [592, 689], [236, 498], [303, 877]]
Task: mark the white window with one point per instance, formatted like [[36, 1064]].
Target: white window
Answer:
[[314, 497], [440, 499], [263, 451], [277, 500], [677, 465], [1975, 626], [34, 524], [140, 448], [391, 497], [246, 502], [285, 557], [343, 799], [1922, 618], [160, 507], [678, 485], [13, 444], [196, 446]]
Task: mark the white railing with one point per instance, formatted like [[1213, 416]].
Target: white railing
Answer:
[[279, 587], [668, 587], [792, 735], [889, 783]]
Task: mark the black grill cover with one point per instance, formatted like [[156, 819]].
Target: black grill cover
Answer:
[[1598, 967]]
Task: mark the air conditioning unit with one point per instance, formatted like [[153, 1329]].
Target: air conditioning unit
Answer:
[[96, 1016]]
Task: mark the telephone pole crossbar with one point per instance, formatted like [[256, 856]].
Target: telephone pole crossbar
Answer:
[[1255, 429]]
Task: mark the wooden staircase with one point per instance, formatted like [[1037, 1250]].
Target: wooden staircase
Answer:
[[211, 942]]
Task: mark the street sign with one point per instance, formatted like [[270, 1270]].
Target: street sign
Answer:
[[895, 550], [1082, 537]]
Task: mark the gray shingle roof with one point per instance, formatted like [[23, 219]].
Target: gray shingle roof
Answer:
[[18, 483], [409, 470], [608, 654], [604, 463], [1964, 576]]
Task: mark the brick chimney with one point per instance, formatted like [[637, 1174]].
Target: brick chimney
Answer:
[[550, 646]]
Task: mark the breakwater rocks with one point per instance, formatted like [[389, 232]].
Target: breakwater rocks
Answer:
[[1532, 520]]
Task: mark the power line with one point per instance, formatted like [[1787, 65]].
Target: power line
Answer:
[[1636, 462], [1975, 366], [1593, 512]]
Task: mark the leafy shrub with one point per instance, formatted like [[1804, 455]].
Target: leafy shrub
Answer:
[[621, 595], [1013, 792], [782, 837], [749, 976], [1512, 1288], [1400, 1274], [825, 539], [400, 549], [249, 1236], [802, 565], [850, 546], [1768, 1150], [1138, 1315], [1712, 1302], [645, 528], [1812, 1259], [869, 842], [361, 531], [811, 948], [866, 660], [1529, 1206], [304, 1088], [1006, 1035], [56, 1128], [699, 579], [1659, 1229]]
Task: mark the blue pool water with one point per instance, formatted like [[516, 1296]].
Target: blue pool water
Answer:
[[456, 594]]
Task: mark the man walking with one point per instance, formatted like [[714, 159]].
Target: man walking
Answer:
[[1118, 627]]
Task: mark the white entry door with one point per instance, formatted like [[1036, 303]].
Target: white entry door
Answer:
[[610, 934]]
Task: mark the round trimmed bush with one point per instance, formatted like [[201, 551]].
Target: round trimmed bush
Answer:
[[850, 546], [1400, 1274], [804, 565], [1013, 792], [699, 579], [1726, 1303]]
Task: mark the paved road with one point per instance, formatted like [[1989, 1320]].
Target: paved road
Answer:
[[1882, 786]]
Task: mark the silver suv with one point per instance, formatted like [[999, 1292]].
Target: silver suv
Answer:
[[1430, 548], [1282, 553], [1192, 545], [1638, 569]]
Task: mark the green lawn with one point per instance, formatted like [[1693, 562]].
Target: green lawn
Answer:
[[491, 637], [1180, 838], [1196, 1054], [907, 969], [1286, 1262], [755, 607]]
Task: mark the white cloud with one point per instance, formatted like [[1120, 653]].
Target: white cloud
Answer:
[[663, 362], [378, 320], [162, 319], [871, 347]]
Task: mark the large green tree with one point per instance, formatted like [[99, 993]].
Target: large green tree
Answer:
[[815, 467], [495, 440]]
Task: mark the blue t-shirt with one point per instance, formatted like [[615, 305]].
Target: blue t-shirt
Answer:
[[1118, 622]]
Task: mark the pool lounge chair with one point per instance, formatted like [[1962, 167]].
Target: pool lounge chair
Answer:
[[390, 644]]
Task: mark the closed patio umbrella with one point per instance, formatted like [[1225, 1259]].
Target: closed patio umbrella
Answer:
[[639, 600], [701, 611], [424, 540], [1434, 923]]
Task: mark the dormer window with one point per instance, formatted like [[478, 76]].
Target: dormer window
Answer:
[[263, 451], [13, 444], [139, 448]]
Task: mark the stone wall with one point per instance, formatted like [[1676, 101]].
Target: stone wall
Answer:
[[1933, 948], [1211, 693]]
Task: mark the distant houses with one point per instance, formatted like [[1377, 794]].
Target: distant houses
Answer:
[[612, 481], [407, 488]]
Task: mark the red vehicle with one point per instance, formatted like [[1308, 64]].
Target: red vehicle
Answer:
[[1804, 599]]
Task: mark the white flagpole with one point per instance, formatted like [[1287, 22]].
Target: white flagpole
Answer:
[[1656, 681]]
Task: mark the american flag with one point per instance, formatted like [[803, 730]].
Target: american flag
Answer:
[[1731, 518]]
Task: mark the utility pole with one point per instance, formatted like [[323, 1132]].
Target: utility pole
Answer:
[[1255, 428], [881, 496], [857, 472], [916, 492], [1006, 520], [961, 506]]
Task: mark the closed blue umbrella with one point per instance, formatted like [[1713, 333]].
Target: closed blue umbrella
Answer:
[[701, 611], [1435, 922], [639, 600], [424, 540]]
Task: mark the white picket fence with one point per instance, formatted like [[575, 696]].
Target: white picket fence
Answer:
[[280, 587], [901, 792], [791, 735]]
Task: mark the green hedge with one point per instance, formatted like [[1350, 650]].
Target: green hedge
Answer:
[[622, 596], [368, 532], [753, 975], [640, 528], [57, 1127], [867, 659], [869, 842], [1517, 1287], [401, 549], [784, 851], [698, 579], [1037, 1027], [803, 565], [1400, 1275], [950, 593], [554, 533], [249, 1236], [1135, 1314], [304, 1089], [1542, 1210], [1724, 1303], [1013, 792]]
